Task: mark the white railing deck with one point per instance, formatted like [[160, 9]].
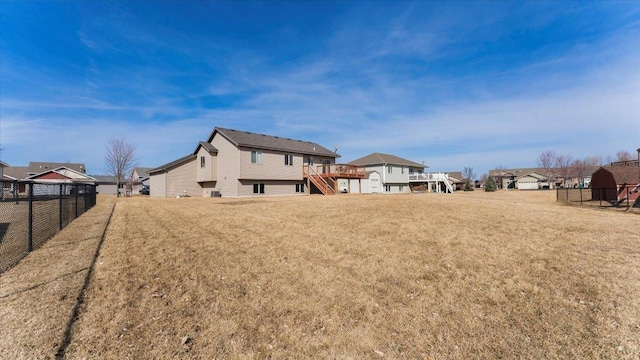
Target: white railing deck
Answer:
[[429, 177]]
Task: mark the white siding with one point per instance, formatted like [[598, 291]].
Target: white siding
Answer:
[[181, 180], [158, 185], [210, 169], [272, 166], [354, 186], [228, 160], [271, 188]]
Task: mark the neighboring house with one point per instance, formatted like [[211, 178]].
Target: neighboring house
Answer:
[[43, 171], [234, 163], [456, 179], [107, 184], [139, 177], [531, 181], [393, 171], [615, 183], [512, 178], [2, 166], [61, 174]]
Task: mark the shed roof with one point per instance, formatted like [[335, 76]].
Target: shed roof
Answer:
[[380, 158], [623, 174], [269, 142]]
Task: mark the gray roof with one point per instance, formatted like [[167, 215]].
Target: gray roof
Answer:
[[143, 172], [16, 172], [207, 146], [379, 159], [3, 164], [268, 142], [36, 167], [169, 165], [106, 179]]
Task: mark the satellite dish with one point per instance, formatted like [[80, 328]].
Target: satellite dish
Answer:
[[335, 148]]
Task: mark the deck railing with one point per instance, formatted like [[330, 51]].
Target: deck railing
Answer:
[[335, 170], [428, 177]]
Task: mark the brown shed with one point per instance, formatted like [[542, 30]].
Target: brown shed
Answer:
[[612, 183]]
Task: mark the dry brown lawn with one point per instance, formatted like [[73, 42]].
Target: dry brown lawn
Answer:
[[467, 275]]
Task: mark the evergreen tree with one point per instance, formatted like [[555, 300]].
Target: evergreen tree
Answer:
[[468, 185], [490, 185]]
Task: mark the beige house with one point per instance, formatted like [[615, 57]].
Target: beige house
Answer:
[[392, 172], [139, 177], [234, 163]]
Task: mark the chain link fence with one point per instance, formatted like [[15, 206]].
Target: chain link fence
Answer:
[[33, 212], [623, 197]]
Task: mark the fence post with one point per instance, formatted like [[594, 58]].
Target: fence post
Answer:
[[600, 196], [30, 245], [628, 195], [581, 196], [75, 196], [60, 201]]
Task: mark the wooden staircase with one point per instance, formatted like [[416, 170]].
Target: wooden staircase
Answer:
[[320, 182]]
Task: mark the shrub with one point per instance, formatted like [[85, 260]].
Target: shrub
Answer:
[[490, 185]]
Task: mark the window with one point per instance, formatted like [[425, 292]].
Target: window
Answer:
[[300, 188], [258, 188], [387, 188], [256, 157], [401, 187], [389, 169], [402, 170], [202, 161], [310, 160], [288, 159]]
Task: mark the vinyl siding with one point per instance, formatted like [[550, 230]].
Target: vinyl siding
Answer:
[[158, 185], [210, 169], [272, 167], [228, 166], [208, 187], [271, 188], [181, 181], [396, 176]]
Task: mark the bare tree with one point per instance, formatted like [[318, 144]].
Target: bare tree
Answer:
[[499, 174], [119, 159], [547, 160], [563, 165], [468, 173], [623, 155], [594, 161], [580, 169]]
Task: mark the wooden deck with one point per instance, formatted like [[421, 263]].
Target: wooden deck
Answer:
[[334, 171]]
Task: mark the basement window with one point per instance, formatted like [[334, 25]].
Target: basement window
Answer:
[[258, 188], [300, 188]]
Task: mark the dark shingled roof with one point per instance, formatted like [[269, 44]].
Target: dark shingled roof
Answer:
[[379, 158], [629, 175], [166, 166], [36, 167], [17, 172], [207, 146], [268, 142]]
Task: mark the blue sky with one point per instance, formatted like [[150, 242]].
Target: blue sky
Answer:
[[453, 84]]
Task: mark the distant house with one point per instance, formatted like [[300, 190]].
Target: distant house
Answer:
[[233, 163], [393, 171], [2, 166], [615, 183], [46, 172], [59, 175], [531, 181], [107, 184], [456, 179], [139, 178]]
